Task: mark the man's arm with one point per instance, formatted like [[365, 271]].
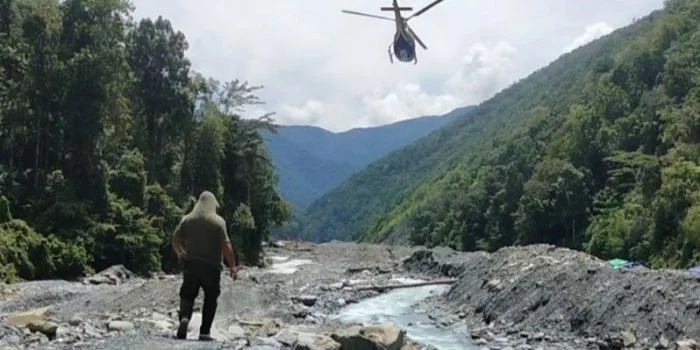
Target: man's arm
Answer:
[[226, 247], [228, 254], [176, 241]]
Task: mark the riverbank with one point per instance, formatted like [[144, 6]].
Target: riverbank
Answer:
[[295, 296], [535, 297], [542, 296]]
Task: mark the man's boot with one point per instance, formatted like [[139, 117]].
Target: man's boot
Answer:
[[185, 314]]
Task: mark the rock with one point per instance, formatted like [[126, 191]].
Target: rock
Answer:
[[336, 286], [92, 332], [384, 336], [116, 274], [120, 326], [235, 331], [352, 338], [301, 312], [13, 339], [45, 327], [25, 317], [663, 343], [481, 341], [687, 344], [308, 300], [265, 342], [310, 341], [10, 334], [286, 337], [539, 336], [494, 285], [628, 339], [75, 321]]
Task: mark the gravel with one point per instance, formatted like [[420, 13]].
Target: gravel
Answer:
[[534, 297], [564, 295]]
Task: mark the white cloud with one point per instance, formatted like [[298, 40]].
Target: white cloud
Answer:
[[483, 72], [331, 69], [311, 112], [592, 32]]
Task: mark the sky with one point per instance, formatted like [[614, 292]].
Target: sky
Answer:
[[329, 69]]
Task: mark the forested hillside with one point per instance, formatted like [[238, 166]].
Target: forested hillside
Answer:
[[598, 151], [311, 160], [106, 138]]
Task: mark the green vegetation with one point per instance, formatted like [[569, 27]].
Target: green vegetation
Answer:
[[105, 137], [598, 151]]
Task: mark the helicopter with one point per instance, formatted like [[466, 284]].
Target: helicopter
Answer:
[[404, 43]]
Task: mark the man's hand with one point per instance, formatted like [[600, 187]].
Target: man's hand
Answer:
[[233, 272]]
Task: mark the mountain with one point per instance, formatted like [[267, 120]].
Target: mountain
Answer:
[[598, 150], [311, 160]]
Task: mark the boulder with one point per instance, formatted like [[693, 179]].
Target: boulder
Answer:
[[687, 344], [385, 336], [120, 326], [308, 300], [310, 341], [45, 327], [116, 274], [25, 317]]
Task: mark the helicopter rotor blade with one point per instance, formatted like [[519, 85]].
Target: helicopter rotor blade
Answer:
[[368, 15], [424, 9], [416, 37]]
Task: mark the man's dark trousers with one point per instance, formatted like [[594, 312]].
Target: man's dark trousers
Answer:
[[198, 274]]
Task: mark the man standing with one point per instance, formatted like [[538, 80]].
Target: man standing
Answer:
[[199, 241]]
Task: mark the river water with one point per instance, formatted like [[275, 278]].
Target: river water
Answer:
[[398, 306]]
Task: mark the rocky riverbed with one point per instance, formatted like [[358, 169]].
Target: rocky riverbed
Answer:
[[535, 297], [541, 296]]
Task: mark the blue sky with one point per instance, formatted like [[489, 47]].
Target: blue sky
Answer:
[[325, 68]]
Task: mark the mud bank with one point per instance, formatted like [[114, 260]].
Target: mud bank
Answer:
[[544, 295]]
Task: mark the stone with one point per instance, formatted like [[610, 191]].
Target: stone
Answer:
[[47, 328], [386, 334], [14, 339], [301, 311], [25, 317], [75, 321], [687, 344], [336, 286], [351, 338], [663, 343], [308, 300], [120, 326], [310, 341], [235, 331], [628, 339], [286, 337]]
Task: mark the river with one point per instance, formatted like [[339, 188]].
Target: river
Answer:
[[398, 306]]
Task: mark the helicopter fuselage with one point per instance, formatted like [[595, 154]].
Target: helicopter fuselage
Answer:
[[404, 47]]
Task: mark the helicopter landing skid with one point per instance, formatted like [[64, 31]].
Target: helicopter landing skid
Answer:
[[391, 57]]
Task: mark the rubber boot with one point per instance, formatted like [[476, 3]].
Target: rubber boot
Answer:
[[185, 314]]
